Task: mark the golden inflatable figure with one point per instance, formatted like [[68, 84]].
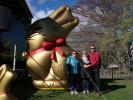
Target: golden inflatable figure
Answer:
[[47, 50], [7, 76]]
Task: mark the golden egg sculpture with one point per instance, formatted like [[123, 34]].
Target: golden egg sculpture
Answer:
[[47, 49], [7, 76]]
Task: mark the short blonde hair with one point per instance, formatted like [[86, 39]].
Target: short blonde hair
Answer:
[[84, 51]]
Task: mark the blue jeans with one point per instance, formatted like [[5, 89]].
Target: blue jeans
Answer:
[[85, 84], [73, 81]]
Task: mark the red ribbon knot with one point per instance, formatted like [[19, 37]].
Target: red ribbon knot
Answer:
[[51, 45], [54, 47]]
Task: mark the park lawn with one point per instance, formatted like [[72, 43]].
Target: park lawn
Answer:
[[112, 90]]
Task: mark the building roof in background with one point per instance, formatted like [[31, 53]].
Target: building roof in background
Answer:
[[18, 7]]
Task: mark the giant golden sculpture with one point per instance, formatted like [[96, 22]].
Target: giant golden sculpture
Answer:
[[7, 76], [47, 50]]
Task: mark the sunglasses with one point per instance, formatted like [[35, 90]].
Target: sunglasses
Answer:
[[84, 52], [74, 53], [92, 48]]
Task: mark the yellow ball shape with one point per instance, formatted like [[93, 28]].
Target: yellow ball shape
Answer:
[[47, 49]]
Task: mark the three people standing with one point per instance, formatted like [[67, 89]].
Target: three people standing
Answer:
[[90, 70]]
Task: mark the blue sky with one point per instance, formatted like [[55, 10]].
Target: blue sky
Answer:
[[42, 8]]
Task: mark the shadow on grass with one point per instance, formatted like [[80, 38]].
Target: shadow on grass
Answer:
[[105, 87], [49, 95], [23, 89], [55, 93]]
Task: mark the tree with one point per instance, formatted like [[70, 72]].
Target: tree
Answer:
[[117, 21]]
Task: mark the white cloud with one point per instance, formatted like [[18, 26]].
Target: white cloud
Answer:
[[38, 14], [41, 1], [44, 1], [41, 14]]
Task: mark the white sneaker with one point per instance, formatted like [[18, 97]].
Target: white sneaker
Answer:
[[87, 92], [84, 92], [72, 92], [75, 92]]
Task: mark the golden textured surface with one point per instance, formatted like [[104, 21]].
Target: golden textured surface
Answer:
[[7, 76], [63, 16], [46, 73]]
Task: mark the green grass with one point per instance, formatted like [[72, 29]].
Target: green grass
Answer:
[[112, 90]]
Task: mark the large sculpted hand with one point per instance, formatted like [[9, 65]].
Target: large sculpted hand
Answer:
[[47, 50]]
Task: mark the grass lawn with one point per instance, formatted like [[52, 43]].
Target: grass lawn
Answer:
[[112, 90]]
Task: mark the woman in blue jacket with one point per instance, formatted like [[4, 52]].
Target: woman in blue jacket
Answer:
[[73, 64]]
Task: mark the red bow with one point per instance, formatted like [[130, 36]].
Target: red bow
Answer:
[[54, 47], [51, 46]]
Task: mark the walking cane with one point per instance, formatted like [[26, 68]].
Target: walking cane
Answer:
[[94, 83]]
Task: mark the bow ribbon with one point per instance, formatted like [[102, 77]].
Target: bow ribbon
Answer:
[[54, 46]]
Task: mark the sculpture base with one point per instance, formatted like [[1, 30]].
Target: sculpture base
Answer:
[[60, 89], [51, 85]]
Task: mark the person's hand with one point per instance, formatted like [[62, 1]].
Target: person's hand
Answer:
[[85, 66], [88, 66]]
